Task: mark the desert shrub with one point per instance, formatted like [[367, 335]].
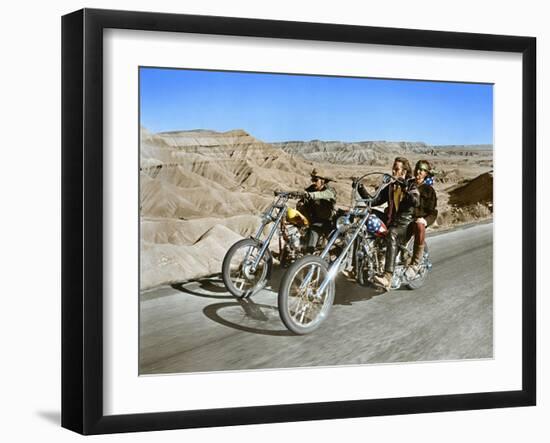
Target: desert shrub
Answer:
[[444, 218], [454, 216]]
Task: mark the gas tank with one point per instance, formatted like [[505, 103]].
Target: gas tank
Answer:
[[376, 226], [295, 217]]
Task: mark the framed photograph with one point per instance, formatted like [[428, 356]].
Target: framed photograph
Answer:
[[268, 221]]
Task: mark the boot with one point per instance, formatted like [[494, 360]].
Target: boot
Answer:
[[384, 281], [414, 267]]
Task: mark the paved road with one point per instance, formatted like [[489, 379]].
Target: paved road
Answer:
[[197, 326]]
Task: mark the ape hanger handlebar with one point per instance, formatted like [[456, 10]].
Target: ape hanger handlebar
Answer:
[[387, 180]]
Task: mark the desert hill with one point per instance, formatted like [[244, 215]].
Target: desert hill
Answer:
[[202, 190], [471, 192]]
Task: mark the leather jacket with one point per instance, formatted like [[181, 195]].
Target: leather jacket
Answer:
[[428, 203], [410, 200], [319, 205]]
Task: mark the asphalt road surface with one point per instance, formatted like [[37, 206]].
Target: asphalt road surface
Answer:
[[198, 326]]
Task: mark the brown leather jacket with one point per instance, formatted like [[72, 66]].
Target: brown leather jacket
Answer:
[[427, 208]]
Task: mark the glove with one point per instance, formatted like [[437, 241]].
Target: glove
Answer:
[[401, 182], [298, 194]]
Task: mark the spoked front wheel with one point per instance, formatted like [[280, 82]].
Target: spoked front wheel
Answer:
[[242, 273], [301, 307]]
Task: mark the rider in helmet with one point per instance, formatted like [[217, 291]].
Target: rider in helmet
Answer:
[[425, 213]]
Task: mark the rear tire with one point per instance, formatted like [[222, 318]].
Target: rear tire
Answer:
[[361, 272], [422, 274], [300, 311], [366, 262]]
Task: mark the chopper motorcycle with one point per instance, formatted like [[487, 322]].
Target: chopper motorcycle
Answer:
[[247, 265], [307, 290]]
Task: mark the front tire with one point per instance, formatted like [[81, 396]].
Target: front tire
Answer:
[[300, 309], [237, 273]]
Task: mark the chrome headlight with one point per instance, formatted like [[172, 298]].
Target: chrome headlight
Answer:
[[342, 223]]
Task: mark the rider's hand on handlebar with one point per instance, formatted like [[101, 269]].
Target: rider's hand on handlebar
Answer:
[[400, 181], [294, 194]]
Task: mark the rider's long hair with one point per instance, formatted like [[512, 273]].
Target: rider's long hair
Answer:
[[406, 166]]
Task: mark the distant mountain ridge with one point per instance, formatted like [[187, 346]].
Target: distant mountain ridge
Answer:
[[367, 152], [481, 147]]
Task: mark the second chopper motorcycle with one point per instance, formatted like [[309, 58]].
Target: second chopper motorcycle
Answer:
[[307, 290]]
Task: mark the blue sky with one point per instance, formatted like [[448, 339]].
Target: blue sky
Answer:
[[280, 107]]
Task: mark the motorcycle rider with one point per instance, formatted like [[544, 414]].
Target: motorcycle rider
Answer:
[[425, 213], [317, 205], [402, 197]]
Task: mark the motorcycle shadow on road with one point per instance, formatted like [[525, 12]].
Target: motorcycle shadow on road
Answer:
[[241, 314], [208, 287], [348, 291], [248, 316], [259, 314]]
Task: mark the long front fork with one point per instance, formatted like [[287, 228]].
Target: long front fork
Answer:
[[265, 243], [334, 267]]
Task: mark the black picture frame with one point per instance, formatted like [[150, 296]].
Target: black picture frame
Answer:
[[82, 219]]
